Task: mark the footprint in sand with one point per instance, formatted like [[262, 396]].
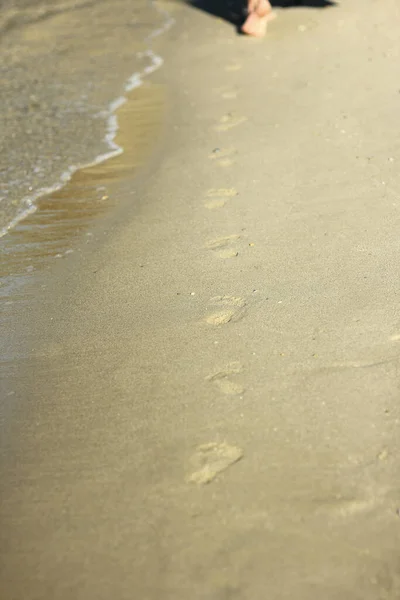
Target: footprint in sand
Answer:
[[225, 92], [225, 247], [229, 95], [211, 459], [224, 379], [233, 67], [229, 121], [215, 203], [217, 197], [342, 506], [223, 157], [221, 193], [231, 309]]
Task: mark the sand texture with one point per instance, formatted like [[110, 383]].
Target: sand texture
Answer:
[[201, 400]]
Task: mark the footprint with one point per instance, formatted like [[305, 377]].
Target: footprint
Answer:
[[346, 506], [223, 157], [229, 95], [233, 67], [222, 193], [229, 121], [215, 203], [224, 246], [226, 162], [222, 379], [226, 92], [232, 309], [230, 388], [211, 459], [219, 197], [218, 153]]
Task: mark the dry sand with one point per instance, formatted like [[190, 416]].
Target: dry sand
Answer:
[[203, 400]]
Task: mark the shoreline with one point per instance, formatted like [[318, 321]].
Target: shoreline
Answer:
[[70, 218], [27, 202], [204, 398]]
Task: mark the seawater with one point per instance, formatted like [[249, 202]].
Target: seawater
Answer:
[[66, 67]]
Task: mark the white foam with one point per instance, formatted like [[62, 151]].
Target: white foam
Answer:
[[135, 80]]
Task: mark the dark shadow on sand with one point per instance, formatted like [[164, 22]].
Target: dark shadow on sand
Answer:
[[234, 11]]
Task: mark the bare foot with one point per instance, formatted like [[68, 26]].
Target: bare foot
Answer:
[[259, 13]]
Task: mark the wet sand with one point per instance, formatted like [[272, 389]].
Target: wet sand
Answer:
[[203, 401], [63, 67]]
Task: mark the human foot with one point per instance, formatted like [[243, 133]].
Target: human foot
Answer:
[[259, 13]]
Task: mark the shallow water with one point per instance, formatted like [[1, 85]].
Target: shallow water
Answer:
[[65, 67], [63, 215]]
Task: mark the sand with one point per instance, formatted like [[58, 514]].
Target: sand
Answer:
[[183, 422], [64, 65]]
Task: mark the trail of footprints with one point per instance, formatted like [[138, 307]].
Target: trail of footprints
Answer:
[[213, 458]]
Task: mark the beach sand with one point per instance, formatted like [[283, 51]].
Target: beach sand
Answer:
[[201, 400], [65, 65]]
